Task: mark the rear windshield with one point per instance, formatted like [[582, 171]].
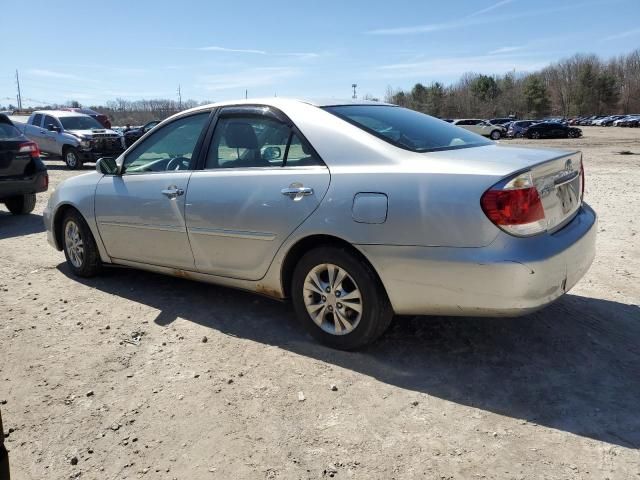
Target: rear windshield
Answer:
[[406, 128], [80, 123], [8, 131]]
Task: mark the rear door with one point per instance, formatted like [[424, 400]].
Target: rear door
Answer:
[[260, 180]]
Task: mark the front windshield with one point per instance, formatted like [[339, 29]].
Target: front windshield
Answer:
[[80, 123], [406, 128]]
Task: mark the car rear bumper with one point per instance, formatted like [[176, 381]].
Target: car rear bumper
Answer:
[[11, 187], [510, 277]]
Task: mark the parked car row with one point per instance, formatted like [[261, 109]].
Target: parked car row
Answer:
[[497, 128], [632, 120]]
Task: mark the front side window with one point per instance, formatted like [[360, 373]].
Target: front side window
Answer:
[[48, 120], [168, 148], [406, 128], [252, 141]]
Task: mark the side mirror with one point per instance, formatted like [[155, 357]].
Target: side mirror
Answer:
[[107, 166], [53, 128], [271, 153]]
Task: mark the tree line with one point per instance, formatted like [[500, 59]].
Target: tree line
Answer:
[[579, 85]]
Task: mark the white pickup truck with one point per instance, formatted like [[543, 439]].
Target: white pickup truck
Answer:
[[74, 136]]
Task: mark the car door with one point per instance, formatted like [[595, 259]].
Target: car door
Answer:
[[140, 212], [49, 137], [260, 180]]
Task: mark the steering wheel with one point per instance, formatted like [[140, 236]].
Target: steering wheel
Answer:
[[178, 163]]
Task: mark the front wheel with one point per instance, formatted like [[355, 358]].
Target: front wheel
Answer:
[[21, 204], [339, 298], [72, 158], [534, 135], [79, 246], [495, 135]]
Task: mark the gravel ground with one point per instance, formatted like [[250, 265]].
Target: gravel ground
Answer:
[[133, 375]]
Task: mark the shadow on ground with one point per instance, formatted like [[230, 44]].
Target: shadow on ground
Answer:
[[573, 366], [19, 225]]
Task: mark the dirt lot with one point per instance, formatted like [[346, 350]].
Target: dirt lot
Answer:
[[113, 372]]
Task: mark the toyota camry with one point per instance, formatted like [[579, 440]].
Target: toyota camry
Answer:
[[354, 211]]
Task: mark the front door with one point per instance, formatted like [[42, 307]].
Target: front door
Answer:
[[141, 212], [48, 140], [260, 181]]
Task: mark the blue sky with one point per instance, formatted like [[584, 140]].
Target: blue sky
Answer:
[[96, 51]]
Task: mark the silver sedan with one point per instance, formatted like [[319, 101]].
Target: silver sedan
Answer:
[[354, 211]]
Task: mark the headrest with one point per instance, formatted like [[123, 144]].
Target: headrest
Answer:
[[241, 135]]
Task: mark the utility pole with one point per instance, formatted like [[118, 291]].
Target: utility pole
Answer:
[[354, 86], [246, 94], [19, 96], [179, 98]]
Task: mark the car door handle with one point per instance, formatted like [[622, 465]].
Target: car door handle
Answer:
[[296, 193], [172, 192]]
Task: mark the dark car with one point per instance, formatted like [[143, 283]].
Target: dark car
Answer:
[[4, 455], [131, 135], [22, 173], [517, 128], [501, 121], [551, 130], [100, 117]]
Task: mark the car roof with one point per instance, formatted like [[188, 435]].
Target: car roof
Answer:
[[60, 113], [282, 102]]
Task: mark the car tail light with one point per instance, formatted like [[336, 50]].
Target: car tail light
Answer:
[[514, 206], [45, 181], [29, 147]]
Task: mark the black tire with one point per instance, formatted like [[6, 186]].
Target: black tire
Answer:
[[534, 135], [572, 134], [495, 135], [376, 309], [22, 204], [90, 264], [72, 158]]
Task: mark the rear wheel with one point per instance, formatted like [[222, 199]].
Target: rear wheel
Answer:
[[495, 135], [339, 298], [72, 158], [79, 246], [21, 204], [534, 135]]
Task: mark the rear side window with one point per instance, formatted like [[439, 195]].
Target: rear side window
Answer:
[[257, 142], [8, 131], [406, 128], [37, 120]]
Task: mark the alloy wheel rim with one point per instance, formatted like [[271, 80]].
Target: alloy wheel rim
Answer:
[[73, 242], [71, 159], [333, 299]]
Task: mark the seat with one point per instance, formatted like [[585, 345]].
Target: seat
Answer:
[[241, 135]]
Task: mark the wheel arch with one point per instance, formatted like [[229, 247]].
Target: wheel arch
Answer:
[[303, 245], [58, 217]]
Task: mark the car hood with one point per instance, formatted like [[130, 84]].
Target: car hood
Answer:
[[92, 132]]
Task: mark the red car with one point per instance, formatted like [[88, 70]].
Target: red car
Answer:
[[103, 119]]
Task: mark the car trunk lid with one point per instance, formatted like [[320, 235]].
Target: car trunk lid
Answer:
[[560, 185]]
